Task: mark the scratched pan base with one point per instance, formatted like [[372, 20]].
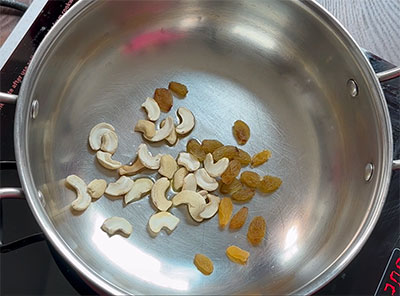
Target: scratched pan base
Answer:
[[250, 61]]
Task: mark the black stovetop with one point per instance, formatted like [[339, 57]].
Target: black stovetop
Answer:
[[38, 269]]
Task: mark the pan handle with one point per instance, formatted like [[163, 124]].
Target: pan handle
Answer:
[[8, 98], [9, 192], [384, 76]]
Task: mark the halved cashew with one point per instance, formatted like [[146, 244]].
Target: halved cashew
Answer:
[[187, 123], [203, 193], [211, 207], [146, 127], [120, 187], [109, 142], [83, 199], [161, 220], [131, 169], [215, 169], [140, 187], [179, 176], [195, 202], [96, 188], [97, 132], [188, 161], [158, 194], [106, 161], [168, 166], [152, 109], [147, 159], [117, 224], [189, 182], [172, 138], [164, 131], [205, 181]]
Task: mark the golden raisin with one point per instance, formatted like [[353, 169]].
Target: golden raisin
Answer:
[[163, 97], [243, 157], [256, 231], [260, 158], [231, 171], [225, 211], [244, 194], [194, 148], [269, 184], [229, 152], [250, 179], [209, 146], [237, 255], [239, 218], [178, 88], [241, 131], [203, 263], [234, 186]]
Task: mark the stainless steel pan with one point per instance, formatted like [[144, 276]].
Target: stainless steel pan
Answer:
[[285, 67]]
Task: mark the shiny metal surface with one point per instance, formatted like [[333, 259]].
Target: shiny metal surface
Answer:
[[8, 98], [10, 192], [281, 66], [389, 74]]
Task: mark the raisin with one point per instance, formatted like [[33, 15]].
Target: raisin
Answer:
[[225, 211], [231, 188], [269, 184], [239, 218], [260, 158], [229, 152], [194, 148], [231, 171], [237, 255], [178, 88], [209, 146], [241, 132], [256, 231], [163, 97], [203, 263], [244, 194], [250, 179], [243, 157]]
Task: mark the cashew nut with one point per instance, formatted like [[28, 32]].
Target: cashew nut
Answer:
[[203, 193], [146, 127], [106, 161], [161, 220], [83, 199], [188, 161], [117, 224], [189, 182], [172, 138], [120, 187], [168, 166], [205, 181], [179, 176], [140, 187], [194, 200], [158, 194], [152, 109], [109, 142], [147, 159], [211, 207], [187, 123], [164, 131], [131, 169], [96, 188], [97, 132], [215, 169]]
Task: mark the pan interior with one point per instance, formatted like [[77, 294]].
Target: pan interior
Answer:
[[274, 64]]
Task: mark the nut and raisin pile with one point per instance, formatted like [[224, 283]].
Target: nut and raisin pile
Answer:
[[194, 176]]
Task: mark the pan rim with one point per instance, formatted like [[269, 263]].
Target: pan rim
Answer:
[[90, 275]]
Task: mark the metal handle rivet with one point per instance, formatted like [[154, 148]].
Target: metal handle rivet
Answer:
[[34, 109], [352, 87], [368, 172], [41, 198]]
